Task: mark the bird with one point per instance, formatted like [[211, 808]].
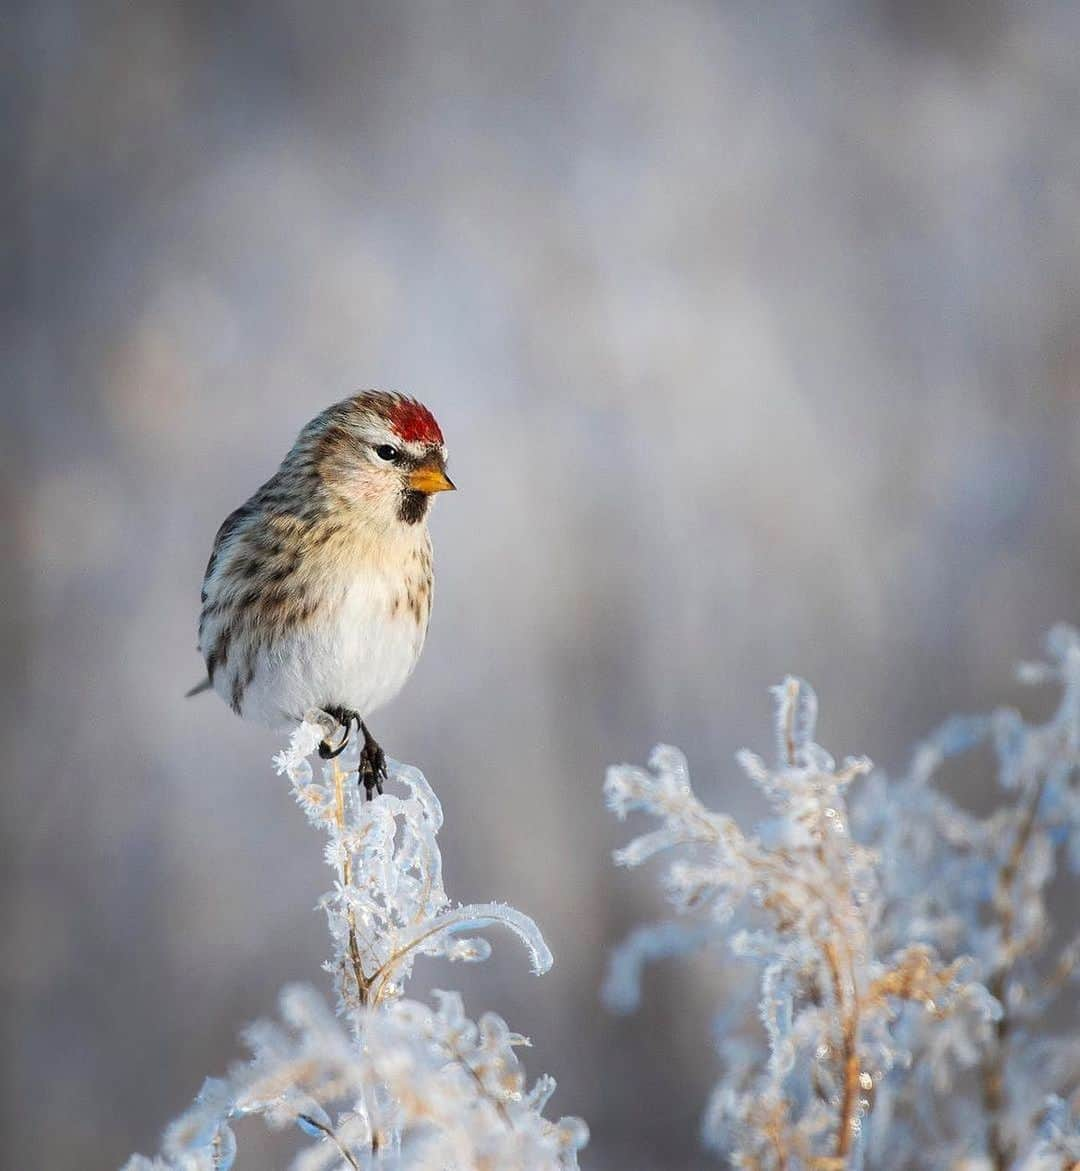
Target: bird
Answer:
[[318, 591]]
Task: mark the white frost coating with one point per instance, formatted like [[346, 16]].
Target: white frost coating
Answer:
[[401, 909], [430, 938], [427, 1087], [388, 1081], [905, 956]]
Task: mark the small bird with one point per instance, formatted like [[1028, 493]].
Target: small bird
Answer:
[[318, 590]]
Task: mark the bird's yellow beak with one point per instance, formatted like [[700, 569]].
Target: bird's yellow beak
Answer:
[[430, 478]]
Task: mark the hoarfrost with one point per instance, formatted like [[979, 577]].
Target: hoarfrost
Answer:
[[386, 1081], [903, 945]]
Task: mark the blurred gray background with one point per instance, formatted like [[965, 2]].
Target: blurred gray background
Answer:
[[753, 332]]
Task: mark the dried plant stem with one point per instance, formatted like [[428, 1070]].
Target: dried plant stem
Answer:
[[346, 1154], [776, 1132], [217, 1155], [500, 1107], [363, 984], [847, 999], [849, 1054], [993, 1080]]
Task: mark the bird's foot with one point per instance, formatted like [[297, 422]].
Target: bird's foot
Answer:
[[345, 719], [372, 771]]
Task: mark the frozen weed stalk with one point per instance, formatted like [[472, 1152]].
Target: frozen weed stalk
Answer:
[[387, 1081], [902, 945]]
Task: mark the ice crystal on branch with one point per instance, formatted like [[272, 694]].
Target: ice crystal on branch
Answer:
[[386, 1082]]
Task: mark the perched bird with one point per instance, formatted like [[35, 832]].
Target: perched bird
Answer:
[[318, 590]]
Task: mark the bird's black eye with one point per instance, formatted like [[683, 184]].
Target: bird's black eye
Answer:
[[385, 451]]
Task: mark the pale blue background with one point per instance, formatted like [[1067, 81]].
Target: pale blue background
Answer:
[[753, 332]]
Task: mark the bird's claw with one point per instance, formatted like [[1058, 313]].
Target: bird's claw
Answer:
[[345, 720], [372, 771], [327, 751]]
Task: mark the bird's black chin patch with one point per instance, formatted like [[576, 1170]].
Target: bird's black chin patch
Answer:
[[413, 507]]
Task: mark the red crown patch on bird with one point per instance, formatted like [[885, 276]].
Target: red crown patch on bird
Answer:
[[414, 423]]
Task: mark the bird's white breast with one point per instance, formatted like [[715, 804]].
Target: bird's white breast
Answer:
[[356, 653]]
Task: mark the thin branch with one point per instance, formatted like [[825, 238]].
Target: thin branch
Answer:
[[346, 1154], [993, 1079], [363, 984]]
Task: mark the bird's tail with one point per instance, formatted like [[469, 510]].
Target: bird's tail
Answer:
[[199, 688]]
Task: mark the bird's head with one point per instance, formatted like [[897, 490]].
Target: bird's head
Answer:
[[381, 455]]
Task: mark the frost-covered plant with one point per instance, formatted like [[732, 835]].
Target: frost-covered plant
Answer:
[[902, 945], [977, 886], [827, 1000], [386, 1082]]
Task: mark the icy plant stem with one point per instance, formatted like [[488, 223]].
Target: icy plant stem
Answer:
[[776, 1137], [500, 1107], [346, 1154], [847, 1002], [846, 996], [363, 986], [848, 1054], [994, 1068]]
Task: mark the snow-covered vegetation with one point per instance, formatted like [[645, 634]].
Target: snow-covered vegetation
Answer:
[[914, 1007], [386, 1081], [918, 1010]]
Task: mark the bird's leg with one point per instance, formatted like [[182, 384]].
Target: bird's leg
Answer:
[[372, 771], [345, 718]]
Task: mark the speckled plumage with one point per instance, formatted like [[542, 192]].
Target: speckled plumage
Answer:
[[318, 590]]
